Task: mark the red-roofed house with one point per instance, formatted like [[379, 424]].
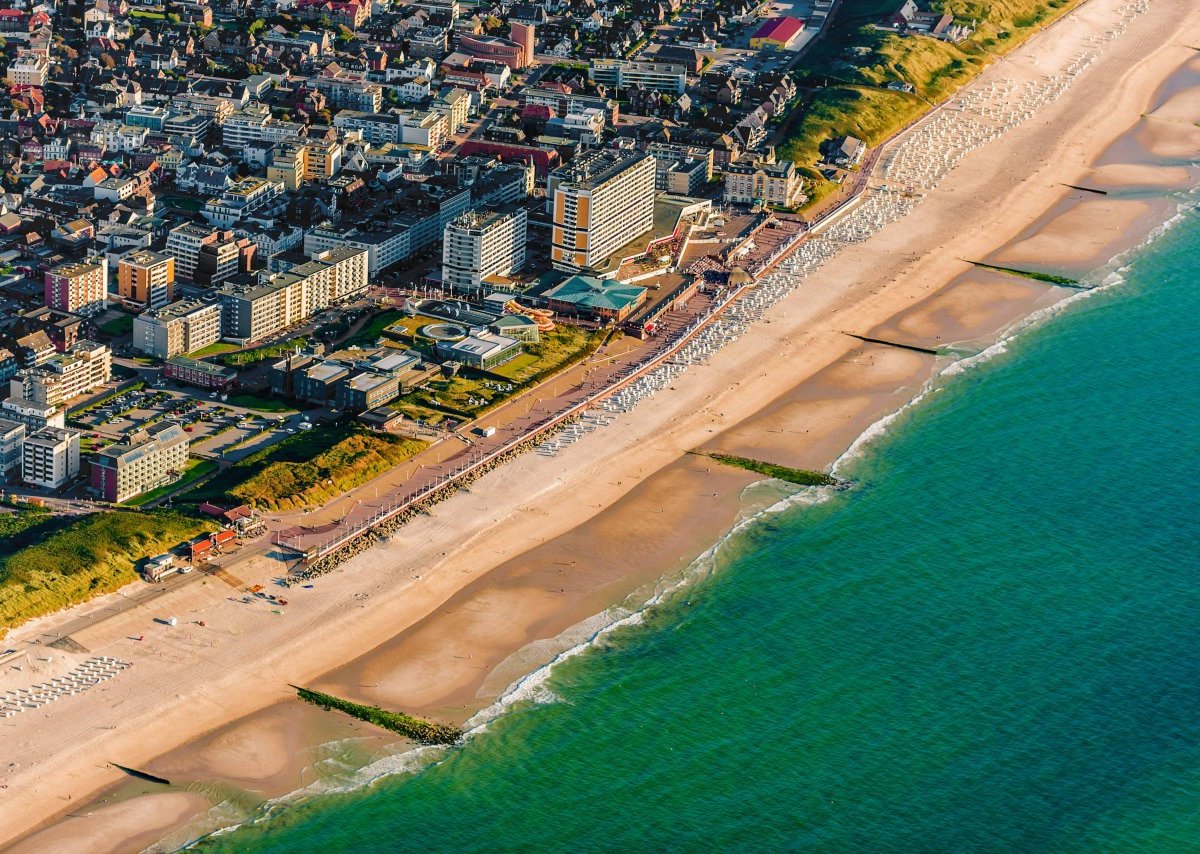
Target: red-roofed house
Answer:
[[13, 21], [776, 34]]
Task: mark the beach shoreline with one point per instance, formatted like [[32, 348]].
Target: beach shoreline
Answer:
[[491, 608]]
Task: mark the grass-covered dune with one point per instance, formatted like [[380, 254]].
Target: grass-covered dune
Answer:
[[308, 469], [52, 563]]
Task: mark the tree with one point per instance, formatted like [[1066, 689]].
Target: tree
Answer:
[[257, 27], [107, 61], [325, 22], [173, 18], [345, 34]]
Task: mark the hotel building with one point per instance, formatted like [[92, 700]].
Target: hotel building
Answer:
[[146, 460], [600, 202], [478, 245]]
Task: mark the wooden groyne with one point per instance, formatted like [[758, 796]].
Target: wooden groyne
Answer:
[[800, 477], [1048, 278], [1087, 189], [141, 775], [913, 347], [417, 729]]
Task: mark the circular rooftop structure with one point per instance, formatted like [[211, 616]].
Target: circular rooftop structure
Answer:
[[445, 331]]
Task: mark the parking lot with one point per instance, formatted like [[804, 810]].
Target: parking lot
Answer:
[[217, 429]]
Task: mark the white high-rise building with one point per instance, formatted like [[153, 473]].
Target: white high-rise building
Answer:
[[481, 244]]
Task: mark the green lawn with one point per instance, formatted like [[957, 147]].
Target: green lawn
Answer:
[[249, 401], [261, 354], [213, 350], [181, 203], [373, 330], [523, 365], [195, 470], [118, 326], [557, 350], [53, 565]]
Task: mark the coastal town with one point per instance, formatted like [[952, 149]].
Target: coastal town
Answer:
[[286, 284], [375, 238]]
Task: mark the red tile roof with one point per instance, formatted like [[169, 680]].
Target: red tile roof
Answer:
[[780, 29]]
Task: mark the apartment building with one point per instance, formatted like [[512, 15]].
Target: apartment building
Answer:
[[415, 127], [249, 198], [479, 245], [12, 438], [675, 170], [33, 416], [179, 328], [208, 256], [50, 457], [622, 73], [183, 244], [254, 123], [146, 278], [65, 376], [350, 94], [28, 69], [455, 105], [146, 460], [293, 163], [255, 308], [762, 183], [80, 288], [422, 223], [600, 202]]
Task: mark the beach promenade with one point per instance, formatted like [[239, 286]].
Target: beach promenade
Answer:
[[498, 579]]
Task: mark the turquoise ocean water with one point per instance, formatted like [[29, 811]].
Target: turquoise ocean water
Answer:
[[991, 644]]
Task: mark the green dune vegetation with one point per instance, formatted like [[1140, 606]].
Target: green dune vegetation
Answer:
[[300, 472], [51, 562], [418, 729], [848, 71]]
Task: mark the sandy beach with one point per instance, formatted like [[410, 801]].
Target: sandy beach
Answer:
[[489, 586]]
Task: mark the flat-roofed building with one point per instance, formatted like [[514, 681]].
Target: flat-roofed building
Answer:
[[182, 327], [28, 69], [255, 308], [80, 288], [146, 460], [50, 457], [65, 376], [676, 171], [622, 73], [482, 244], [200, 374], [249, 198], [12, 438], [600, 202], [146, 278], [482, 349]]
